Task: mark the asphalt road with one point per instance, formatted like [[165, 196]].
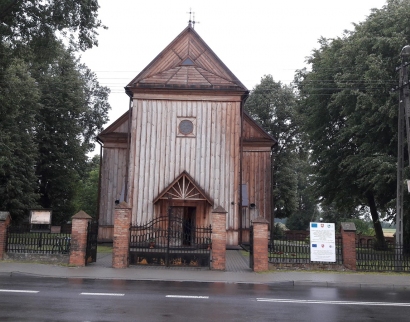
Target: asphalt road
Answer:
[[25, 298]]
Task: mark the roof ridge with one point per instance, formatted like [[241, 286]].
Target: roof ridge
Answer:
[[188, 44]]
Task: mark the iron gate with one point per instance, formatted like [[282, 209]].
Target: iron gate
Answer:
[[91, 250], [171, 240]]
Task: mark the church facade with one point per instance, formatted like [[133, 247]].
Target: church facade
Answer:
[[186, 143]]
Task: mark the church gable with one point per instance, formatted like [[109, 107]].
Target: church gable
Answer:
[[254, 134], [117, 131], [184, 188], [187, 76], [187, 63]]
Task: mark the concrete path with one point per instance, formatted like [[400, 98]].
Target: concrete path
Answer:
[[237, 261], [237, 271]]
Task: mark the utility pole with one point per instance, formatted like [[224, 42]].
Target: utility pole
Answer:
[[403, 124]]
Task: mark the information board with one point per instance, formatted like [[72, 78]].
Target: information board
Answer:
[[322, 242], [40, 217]]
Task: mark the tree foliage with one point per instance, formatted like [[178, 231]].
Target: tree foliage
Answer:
[[19, 96], [272, 105], [86, 198], [22, 21], [51, 105], [350, 115], [307, 209], [73, 108]]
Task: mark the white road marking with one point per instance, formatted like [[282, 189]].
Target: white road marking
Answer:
[[103, 294], [332, 302], [188, 296], [19, 291]]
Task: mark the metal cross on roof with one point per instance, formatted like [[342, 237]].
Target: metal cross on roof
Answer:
[[192, 22]]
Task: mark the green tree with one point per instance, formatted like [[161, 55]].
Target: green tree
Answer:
[[21, 21], [87, 188], [307, 209], [272, 105], [331, 213], [350, 115], [19, 96], [74, 108], [51, 105]]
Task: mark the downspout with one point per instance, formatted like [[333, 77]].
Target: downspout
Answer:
[[127, 161], [99, 180], [244, 98]]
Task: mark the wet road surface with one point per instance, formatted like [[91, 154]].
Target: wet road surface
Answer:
[[24, 298]]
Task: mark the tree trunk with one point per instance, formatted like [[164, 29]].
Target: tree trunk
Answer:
[[380, 242]]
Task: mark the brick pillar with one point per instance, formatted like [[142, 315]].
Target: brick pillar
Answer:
[[79, 238], [219, 238], [4, 223], [121, 239], [348, 231], [260, 245]]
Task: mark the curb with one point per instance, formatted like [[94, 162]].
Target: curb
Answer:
[[286, 283]]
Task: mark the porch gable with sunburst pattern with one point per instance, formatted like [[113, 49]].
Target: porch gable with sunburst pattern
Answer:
[[184, 188]]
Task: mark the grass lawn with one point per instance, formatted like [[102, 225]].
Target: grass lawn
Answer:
[[104, 249]]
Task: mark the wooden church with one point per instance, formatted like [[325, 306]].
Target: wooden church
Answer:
[[187, 143]]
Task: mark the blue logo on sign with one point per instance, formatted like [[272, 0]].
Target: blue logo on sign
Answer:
[[314, 225], [314, 245]]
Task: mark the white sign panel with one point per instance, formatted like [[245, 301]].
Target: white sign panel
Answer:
[[40, 217], [322, 242]]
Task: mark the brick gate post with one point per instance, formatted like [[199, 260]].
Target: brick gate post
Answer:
[[260, 245], [121, 239], [4, 223], [219, 238], [348, 231], [79, 238]]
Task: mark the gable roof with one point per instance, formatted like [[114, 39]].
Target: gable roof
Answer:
[[186, 63], [184, 188], [117, 131], [254, 134]]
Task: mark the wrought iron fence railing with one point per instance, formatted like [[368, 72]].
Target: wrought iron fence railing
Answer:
[[22, 240], [170, 242], [292, 249], [392, 256]]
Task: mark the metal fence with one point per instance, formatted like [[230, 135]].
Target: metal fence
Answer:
[[295, 249], [92, 237], [170, 241], [21, 240], [391, 257]]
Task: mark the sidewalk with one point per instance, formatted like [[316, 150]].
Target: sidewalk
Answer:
[[237, 271]]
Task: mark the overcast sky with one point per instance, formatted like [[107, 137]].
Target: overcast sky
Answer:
[[253, 38]]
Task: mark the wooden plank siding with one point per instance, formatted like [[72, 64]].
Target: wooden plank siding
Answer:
[[257, 170], [158, 155], [211, 157], [112, 182], [257, 175], [205, 69]]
